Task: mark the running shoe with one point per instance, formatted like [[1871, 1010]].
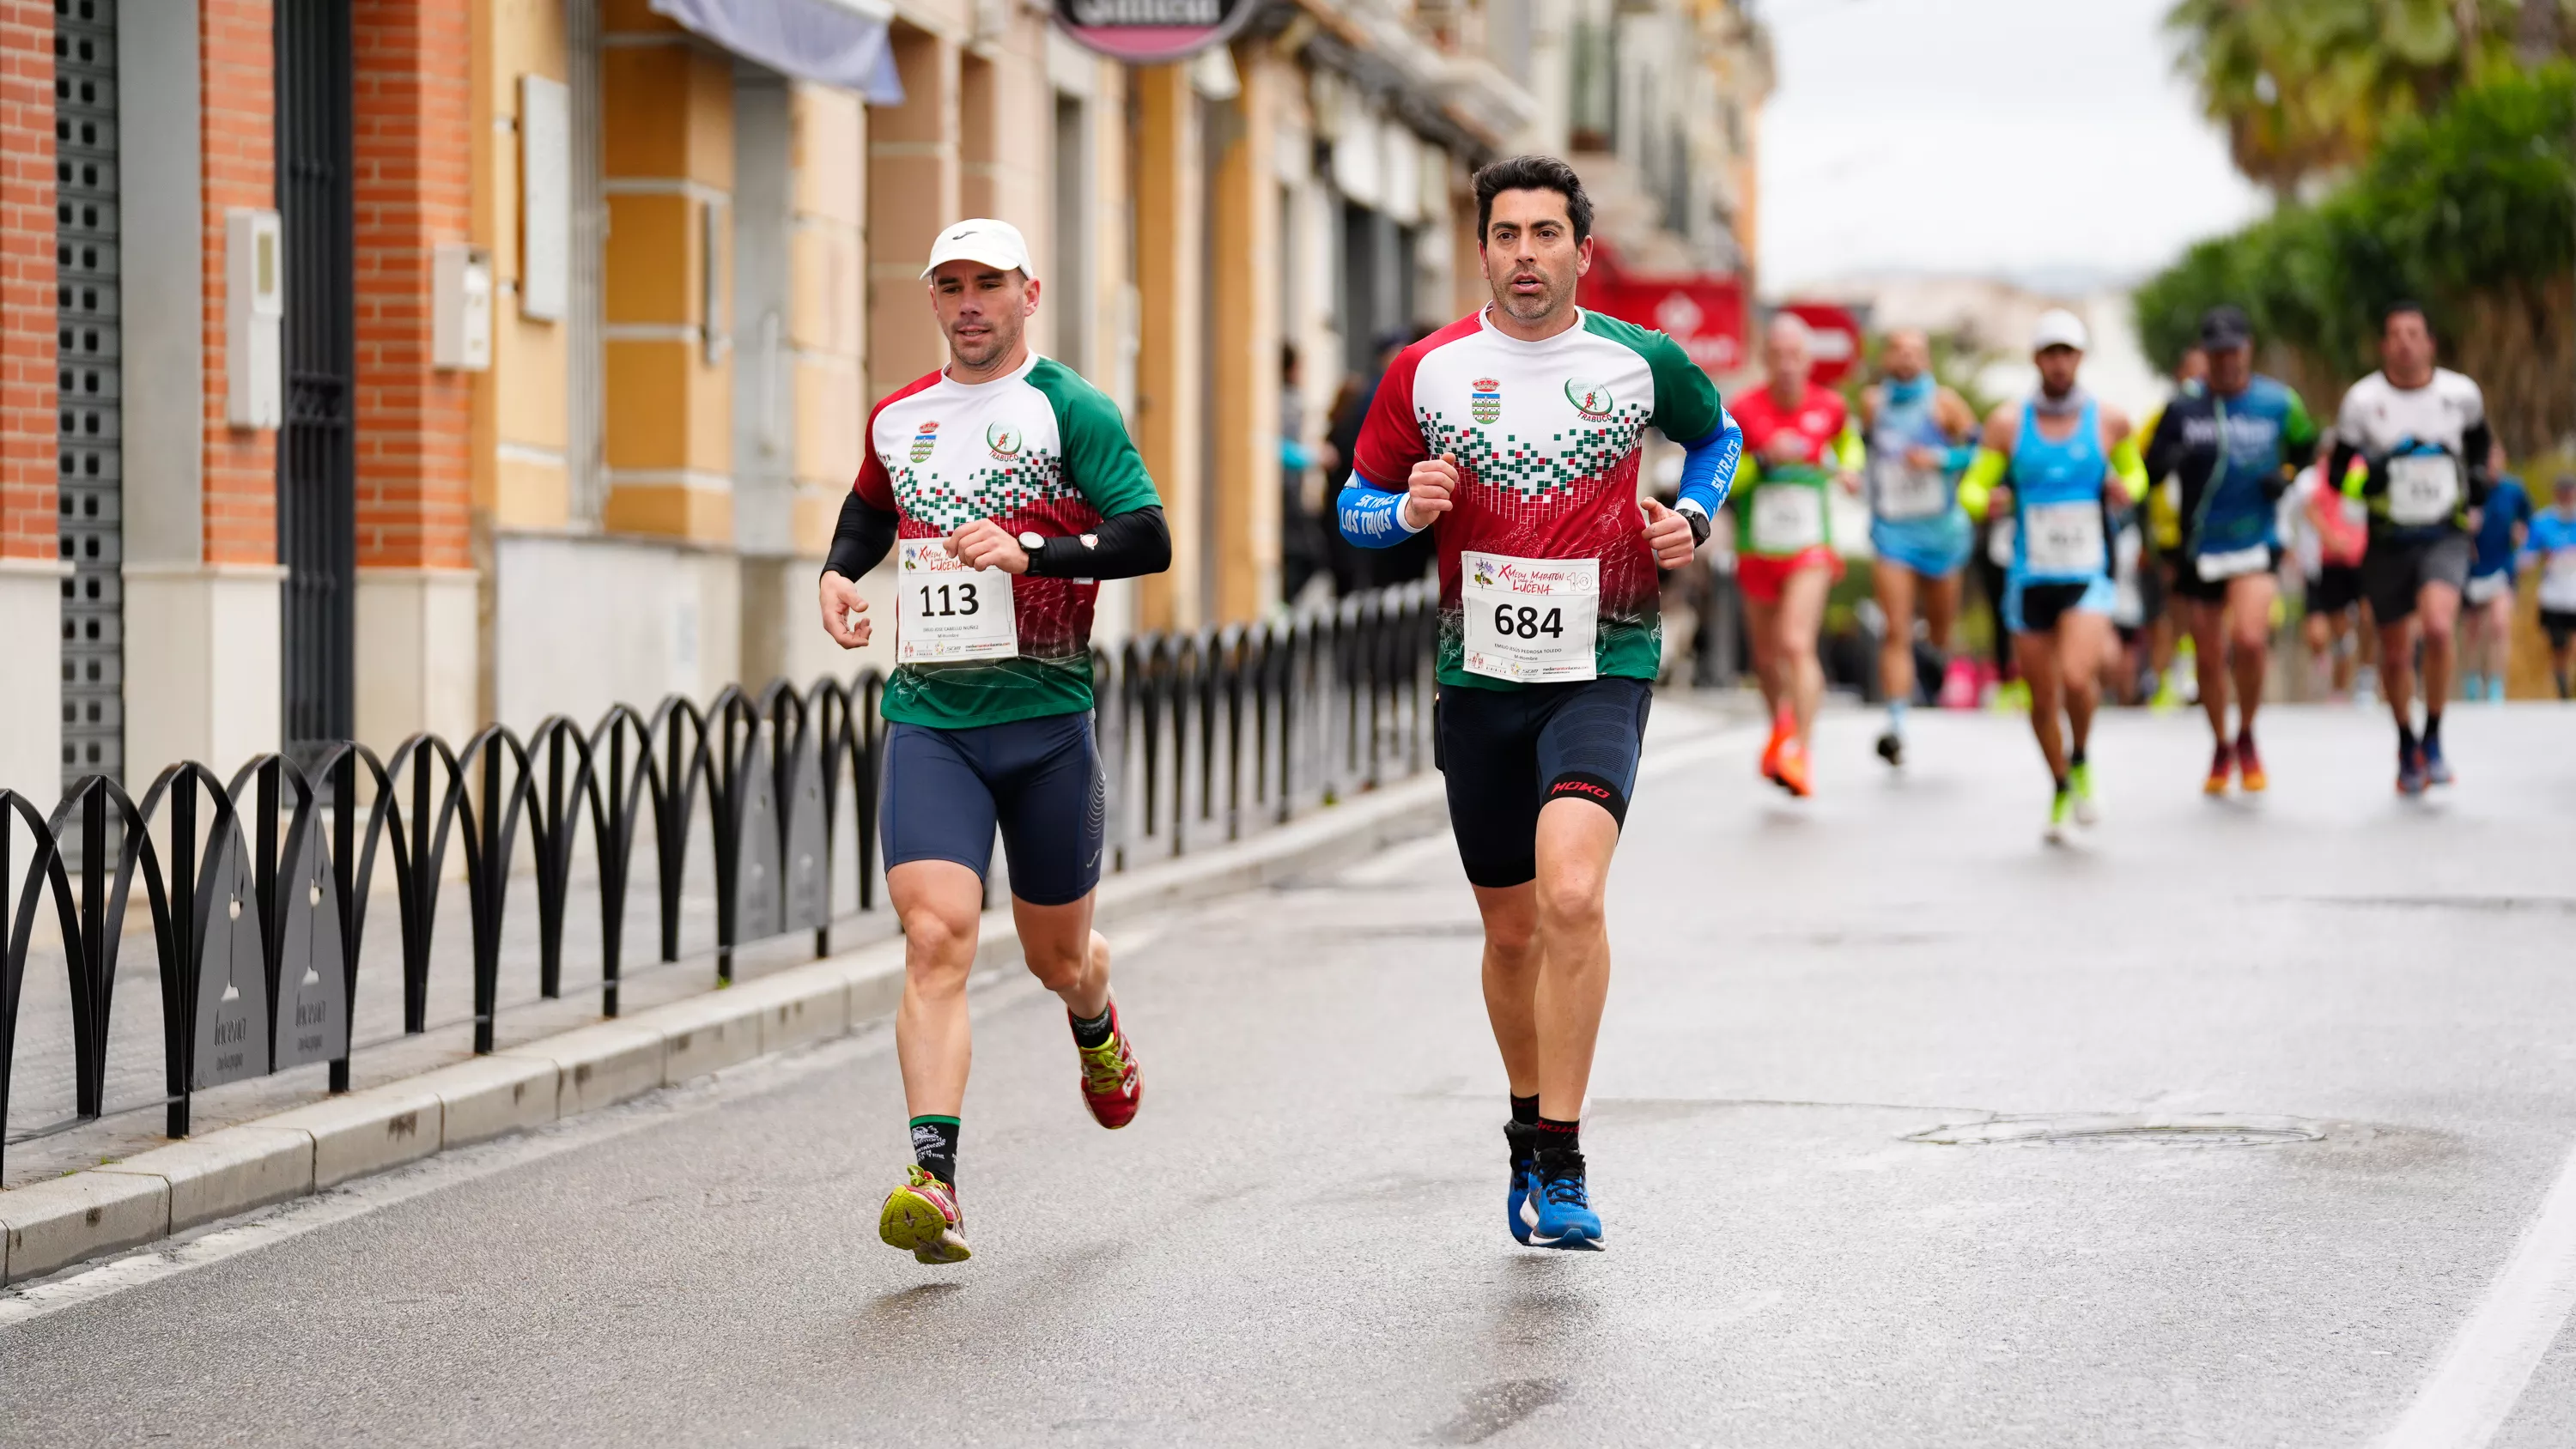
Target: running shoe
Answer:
[[922, 1216], [1520, 1212], [2013, 694], [2059, 807], [2249, 765], [2437, 771], [2221, 761], [1781, 734], [2410, 770], [1111, 1083], [1565, 1215], [2079, 784], [1789, 772], [1891, 748]]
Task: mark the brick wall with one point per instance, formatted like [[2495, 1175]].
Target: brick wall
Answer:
[[27, 465], [414, 190], [236, 75]]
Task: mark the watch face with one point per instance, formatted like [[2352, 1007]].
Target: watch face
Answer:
[[1032, 540]]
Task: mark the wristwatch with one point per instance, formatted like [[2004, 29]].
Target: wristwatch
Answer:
[[1699, 525], [1032, 541]]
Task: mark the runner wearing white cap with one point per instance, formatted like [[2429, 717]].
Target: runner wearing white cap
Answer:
[[2060, 462], [1008, 488]]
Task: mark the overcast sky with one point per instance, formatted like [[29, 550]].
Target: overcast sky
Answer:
[[2039, 139]]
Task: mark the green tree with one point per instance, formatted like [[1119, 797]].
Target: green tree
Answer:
[[2306, 88], [2471, 212]]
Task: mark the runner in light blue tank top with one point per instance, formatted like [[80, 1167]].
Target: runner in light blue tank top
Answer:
[[1920, 436], [2058, 593]]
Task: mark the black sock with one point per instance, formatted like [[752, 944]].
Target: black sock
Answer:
[[934, 1146], [1525, 1109], [2062, 786], [1091, 1031], [2406, 739], [2075, 759], [2432, 726], [1555, 1136]]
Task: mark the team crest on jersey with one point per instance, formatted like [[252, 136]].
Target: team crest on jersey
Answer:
[[1005, 442], [924, 441], [1485, 399], [1589, 398]]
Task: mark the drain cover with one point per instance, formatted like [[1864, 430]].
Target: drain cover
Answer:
[[2124, 1129]]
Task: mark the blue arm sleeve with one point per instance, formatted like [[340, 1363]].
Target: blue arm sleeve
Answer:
[[1708, 468], [1371, 516]]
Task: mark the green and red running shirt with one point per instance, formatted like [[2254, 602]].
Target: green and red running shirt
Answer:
[[1038, 451], [1547, 437]]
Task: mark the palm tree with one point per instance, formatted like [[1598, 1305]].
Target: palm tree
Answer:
[[2305, 88]]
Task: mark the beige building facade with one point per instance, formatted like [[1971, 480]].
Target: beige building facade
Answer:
[[462, 360]]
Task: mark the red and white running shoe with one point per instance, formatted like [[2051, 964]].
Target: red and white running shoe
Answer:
[[1111, 1083]]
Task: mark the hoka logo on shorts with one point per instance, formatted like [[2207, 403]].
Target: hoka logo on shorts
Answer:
[[924, 441], [1005, 442], [1485, 399], [1589, 398]]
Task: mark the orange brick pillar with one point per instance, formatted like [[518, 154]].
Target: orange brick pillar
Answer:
[[31, 572], [416, 638]]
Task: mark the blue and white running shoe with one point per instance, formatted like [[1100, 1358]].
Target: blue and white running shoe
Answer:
[[1565, 1215], [1520, 1214], [2437, 771]]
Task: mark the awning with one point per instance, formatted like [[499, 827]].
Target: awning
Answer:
[[830, 42]]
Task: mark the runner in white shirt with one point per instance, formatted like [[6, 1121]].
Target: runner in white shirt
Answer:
[[2423, 431]]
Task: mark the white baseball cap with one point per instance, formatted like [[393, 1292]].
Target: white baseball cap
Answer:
[[982, 239], [2057, 328]]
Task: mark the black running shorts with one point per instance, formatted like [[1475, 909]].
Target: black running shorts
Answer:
[[1507, 753], [2334, 588], [2190, 585], [1037, 779], [2394, 572]]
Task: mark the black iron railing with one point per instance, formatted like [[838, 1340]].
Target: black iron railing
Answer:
[[259, 887]]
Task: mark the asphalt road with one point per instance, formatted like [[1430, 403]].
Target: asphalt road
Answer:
[[1300, 1240]]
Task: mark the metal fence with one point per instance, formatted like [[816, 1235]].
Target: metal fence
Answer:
[[259, 887]]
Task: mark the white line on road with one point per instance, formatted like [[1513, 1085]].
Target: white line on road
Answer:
[[2474, 1390]]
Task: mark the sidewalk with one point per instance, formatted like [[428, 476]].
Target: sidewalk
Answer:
[[422, 1094]]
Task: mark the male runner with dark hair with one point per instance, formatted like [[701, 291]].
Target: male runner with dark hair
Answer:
[[1008, 488], [1514, 435], [2234, 445], [2423, 431]]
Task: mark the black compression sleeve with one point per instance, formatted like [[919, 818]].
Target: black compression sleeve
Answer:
[[2339, 463], [1123, 547], [2477, 444], [862, 539], [2164, 449]]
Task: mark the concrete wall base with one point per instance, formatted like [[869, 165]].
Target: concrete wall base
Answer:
[[203, 676], [416, 648], [579, 624]]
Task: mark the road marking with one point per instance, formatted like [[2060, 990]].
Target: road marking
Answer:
[[2474, 1390]]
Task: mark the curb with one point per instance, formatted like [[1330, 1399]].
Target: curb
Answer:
[[51, 1225]]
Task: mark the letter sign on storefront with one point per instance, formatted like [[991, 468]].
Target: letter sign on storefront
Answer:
[[1149, 32]]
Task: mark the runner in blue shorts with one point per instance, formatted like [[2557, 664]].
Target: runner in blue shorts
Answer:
[[1006, 487], [1921, 437], [2059, 463]]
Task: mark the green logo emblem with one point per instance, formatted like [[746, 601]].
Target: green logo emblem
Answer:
[[1004, 440], [1589, 398]]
